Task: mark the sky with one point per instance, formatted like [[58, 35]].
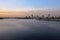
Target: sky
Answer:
[[23, 5]]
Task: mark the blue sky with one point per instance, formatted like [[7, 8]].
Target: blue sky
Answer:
[[18, 4]]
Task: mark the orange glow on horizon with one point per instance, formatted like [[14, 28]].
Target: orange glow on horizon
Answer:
[[13, 14]]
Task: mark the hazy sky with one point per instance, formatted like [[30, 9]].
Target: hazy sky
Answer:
[[19, 5]]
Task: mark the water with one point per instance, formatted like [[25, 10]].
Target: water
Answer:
[[29, 29]]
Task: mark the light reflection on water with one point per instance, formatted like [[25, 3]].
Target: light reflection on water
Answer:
[[29, 29]]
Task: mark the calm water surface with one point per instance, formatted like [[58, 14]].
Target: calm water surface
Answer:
[[29, 29]]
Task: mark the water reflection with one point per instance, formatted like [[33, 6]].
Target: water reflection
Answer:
[[20, 29]]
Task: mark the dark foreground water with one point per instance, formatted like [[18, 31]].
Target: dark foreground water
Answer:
[[29, 29]]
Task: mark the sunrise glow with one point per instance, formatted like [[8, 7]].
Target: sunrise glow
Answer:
[[24, 7]]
